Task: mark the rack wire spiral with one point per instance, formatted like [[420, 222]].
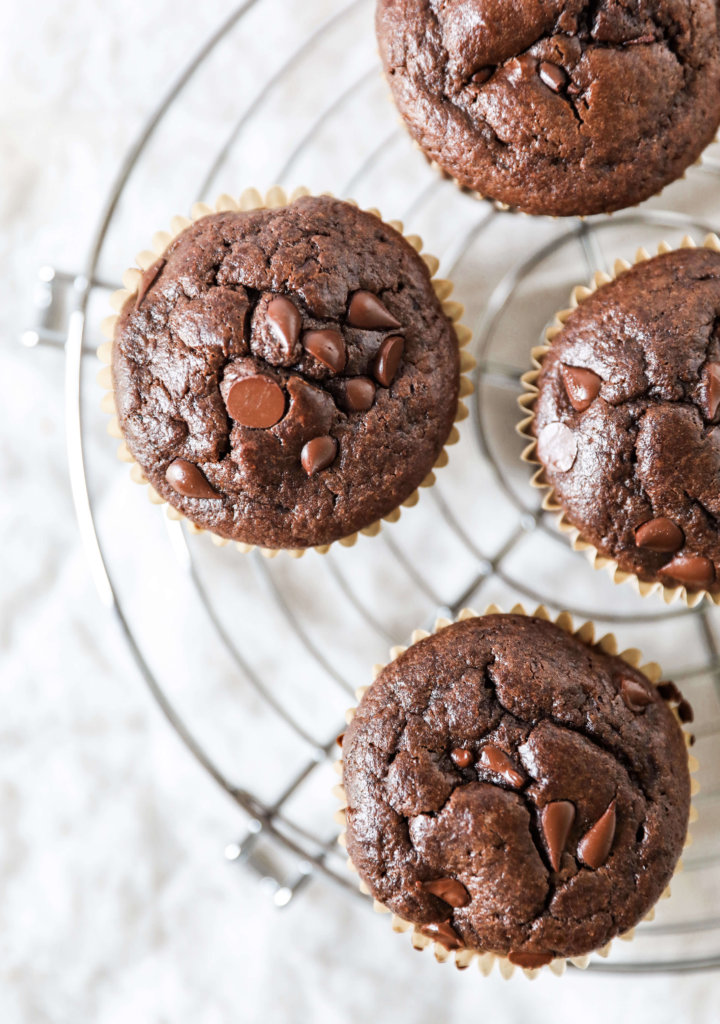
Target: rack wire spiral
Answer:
[[273, 651]]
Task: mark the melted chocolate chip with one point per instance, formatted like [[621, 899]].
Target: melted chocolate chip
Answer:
[[711, 379], [148, 279], [449, 890], [256, 401], [660, 534], [388, 359], [691, 570], [461, 757], [359, 394], [188, 480], [595, 845], [556, 820], [318, 454], [443, 933], [499, 763], [284, 320], [528, 959], [367, 311], [685, 711], [582, 386], [553, 76], [635, 695], [327, 347], [557, 447]]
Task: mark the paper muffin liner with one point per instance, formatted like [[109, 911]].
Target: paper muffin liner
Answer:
[[526, 401], [486, 961], [251, 199]]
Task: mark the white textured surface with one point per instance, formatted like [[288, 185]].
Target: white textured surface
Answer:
[[116, 904]]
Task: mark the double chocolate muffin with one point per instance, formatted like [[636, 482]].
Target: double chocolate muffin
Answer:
[[627, 420], [561, 107], [286, 377], [514, 790]]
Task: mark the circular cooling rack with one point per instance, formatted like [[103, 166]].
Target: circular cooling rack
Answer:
[[246, 654]]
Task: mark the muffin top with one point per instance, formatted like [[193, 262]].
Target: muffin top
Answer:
[[514, 790], [627, 417], [285, 377], [560, 107]]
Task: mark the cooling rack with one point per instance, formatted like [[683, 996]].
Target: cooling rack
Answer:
[[272, 651]]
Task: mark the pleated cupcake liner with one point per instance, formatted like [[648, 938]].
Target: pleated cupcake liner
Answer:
[[526, 401], [463, 958], [275, 198]]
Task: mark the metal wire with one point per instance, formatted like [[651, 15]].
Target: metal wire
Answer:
[[317, 851]]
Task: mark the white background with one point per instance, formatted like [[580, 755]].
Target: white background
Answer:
[[115, 902]]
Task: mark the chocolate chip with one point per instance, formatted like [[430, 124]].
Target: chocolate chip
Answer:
[[582, 386], [284, 320], [481, 76], [669, 692], [388, 359], [443, 933], [148, 279], [556, 820], [256, 401], [188, 480], [461, 757], [340, 738], [595, 845], [557, 447], [528, 959], [367, 311], [685, 711], [711, 380], [327, 347], [449, 890], [691, 570], [318, 454], [359, 394], [553, 76], [500, 764], [660, 534], [636, 696]]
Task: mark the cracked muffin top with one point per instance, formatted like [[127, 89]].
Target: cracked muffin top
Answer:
[[286, 377], [627, 419], [512, 789], [556, 106]]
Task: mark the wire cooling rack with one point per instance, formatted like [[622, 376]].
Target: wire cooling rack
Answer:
[[272, 651]]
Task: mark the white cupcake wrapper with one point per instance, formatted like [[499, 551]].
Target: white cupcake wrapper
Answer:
[[275, 198], [486, 961], [527, 403]]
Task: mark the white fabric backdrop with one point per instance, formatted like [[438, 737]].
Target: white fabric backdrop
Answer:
[[115, 903]]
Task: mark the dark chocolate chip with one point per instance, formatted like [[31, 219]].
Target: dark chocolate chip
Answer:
[[285, 321], [685, 711], [711, 379], [557, 447], [595, 845], [528, 959], [340, 738], [327, 347], [461, 757], [256, 401], [660, 534], [636, 696], [359, 394], [582, 386], [367, 311], [449, 890], [148, 279], [556, 819], [669, 691], [553, 76], [318, 454], [188, 480], [388, 359], [691, 570], [443, 933], [481, 76], [500, 764]]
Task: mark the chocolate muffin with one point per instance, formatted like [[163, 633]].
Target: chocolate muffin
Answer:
[[512, 789], [627, 420], [285, 377], [561, 107]]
